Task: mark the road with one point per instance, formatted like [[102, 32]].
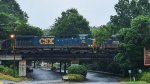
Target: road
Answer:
[[41, 76], [97, 78]]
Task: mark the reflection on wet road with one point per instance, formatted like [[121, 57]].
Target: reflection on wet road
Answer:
[[98, 78], [41, 76]]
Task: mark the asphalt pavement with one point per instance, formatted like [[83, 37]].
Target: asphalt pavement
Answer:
[[44, 76], [39, 74]]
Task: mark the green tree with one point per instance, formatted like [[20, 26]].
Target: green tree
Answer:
[[128, 10], [46, 32], [11, 7], [14, 20], [101, 33], [10, 13], [132, 42], [70, 22], [6, 24], [26, 29]]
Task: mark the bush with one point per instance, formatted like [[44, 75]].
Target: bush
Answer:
[[145, 76], [134, 82], [77, 69], [1, 68], [7, 70], [76, 77]]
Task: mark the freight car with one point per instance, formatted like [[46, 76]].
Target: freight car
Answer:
[[81, 43]]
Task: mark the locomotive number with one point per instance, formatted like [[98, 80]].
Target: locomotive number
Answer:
[[46, 41]]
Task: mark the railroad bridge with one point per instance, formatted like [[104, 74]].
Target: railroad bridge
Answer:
[[101, 55]]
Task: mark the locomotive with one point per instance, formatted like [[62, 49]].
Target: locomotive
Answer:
[[81, 43], [110, 43]]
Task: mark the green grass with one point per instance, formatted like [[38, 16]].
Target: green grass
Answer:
[[135, 82]]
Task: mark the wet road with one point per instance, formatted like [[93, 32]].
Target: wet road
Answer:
[[97, 78], [41, 76]]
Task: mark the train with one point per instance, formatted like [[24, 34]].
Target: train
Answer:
[[80, 43]]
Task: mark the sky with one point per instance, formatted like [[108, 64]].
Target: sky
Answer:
[[42, 13]]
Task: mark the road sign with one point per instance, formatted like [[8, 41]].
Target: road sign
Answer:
[[129, 71], [140, 71], [147, 56]]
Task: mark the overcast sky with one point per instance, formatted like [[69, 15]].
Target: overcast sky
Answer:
[[42, 13]]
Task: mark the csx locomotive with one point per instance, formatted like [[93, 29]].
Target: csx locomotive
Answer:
[[81, 43]]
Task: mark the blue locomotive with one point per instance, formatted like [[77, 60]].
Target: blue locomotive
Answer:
[[81, 43], [53, 41]]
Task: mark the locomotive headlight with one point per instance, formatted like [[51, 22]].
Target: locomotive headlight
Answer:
[[12, 36]]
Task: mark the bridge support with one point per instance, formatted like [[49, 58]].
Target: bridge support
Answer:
[[22, 68], [60, 66], [65, 67], [34, 64], [52, 66]]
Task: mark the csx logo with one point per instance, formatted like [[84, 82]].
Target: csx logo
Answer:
[[46, 41]]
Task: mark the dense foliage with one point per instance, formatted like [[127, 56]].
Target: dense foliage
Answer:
[[14, 20], [132, 43], [76, 77], [128, 10], [7, 71], [12, 8], [145, 76], [77, 69], [70, 22], [101, 33], [26, 29]]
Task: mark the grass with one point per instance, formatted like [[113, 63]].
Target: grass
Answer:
[[11, 78], [134, 82]]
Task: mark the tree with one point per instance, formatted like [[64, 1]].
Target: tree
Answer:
[[101, 33], [132, 42], [6, 24], [11, 7], [46, 32], [70, 22], [14, 20], [128, 10], [25, 29]]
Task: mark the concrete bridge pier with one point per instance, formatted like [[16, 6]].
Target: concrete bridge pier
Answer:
[[34, 63], [22, 68], [65, 67], [60, 66], [52, 63]]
